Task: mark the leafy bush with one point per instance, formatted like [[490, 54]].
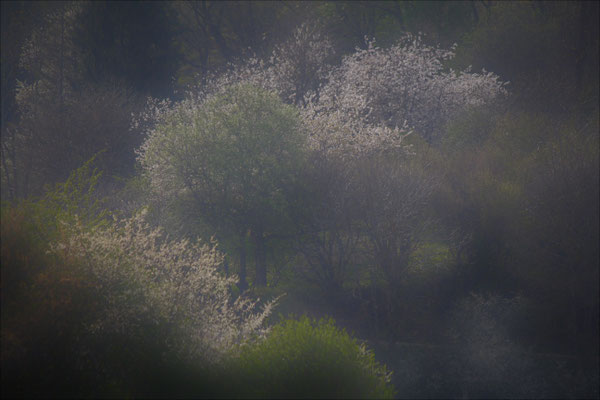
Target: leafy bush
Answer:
[[305, 358], [108, 308]]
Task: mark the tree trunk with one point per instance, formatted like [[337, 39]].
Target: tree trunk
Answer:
[[260, 258]]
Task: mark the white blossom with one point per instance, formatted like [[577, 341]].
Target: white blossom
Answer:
[[406, 83], [144, 277], [332, 133]]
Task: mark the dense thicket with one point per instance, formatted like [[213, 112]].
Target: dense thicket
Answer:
[[359, 157]]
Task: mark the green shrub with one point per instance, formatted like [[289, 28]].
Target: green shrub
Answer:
[[306, 358]]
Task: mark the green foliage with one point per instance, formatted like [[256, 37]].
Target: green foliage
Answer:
[[231, 158], [244, 140], [308, 358], [74, 201], [430, 261]]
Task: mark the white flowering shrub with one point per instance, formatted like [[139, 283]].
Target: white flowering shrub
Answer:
[[406, 83], [172, 286]]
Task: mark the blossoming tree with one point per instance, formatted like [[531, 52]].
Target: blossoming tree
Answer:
[[406, 85], [233, 153]]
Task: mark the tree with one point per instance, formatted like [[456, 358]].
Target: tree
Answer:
[[63, 118], [548, 51], [300, 64], [406, 83], [213, 34], [326, 214], [18, 18], [48, 58], [129, 41], [560, 244], [234, 154], [295, 69]]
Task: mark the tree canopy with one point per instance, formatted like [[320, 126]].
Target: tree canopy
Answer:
[[235, 153]]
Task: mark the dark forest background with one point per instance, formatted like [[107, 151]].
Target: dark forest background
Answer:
[[488, 287]]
